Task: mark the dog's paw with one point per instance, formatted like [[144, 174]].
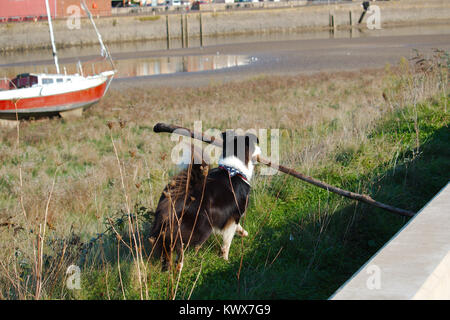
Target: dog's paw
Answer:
[[224, 254], [242, 233]]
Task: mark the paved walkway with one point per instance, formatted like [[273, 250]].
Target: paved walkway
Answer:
[[414, 264]]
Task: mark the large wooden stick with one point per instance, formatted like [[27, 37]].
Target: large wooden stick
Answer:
[[162, 127]]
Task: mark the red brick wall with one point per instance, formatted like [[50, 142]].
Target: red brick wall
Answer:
[[36, 8], [96, 7], [25, 8]]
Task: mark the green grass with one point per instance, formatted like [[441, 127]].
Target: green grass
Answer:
[[382, 133], [324, 239], [304, 242]]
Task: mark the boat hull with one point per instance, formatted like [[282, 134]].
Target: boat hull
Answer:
[[52, 104]]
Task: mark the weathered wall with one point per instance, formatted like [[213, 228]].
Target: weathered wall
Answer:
[[135, 28]]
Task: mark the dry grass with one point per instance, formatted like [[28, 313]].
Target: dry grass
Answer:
[[76, 175]]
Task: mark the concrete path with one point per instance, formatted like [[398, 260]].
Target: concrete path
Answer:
[[414, 264]]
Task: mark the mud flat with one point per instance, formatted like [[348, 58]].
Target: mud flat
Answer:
[[293, 57]]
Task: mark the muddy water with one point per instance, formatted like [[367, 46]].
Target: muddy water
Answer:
[[133, 62], [131, 68]]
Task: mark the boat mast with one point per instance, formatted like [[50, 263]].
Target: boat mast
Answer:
[[52, 38], [104, 51]]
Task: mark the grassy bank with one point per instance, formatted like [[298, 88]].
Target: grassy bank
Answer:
[[66, 187]]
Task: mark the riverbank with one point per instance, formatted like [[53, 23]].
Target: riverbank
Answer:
[[291, 57], [383, 133], [295, 54], [121, 29]]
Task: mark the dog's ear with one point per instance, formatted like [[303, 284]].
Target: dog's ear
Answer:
[[229, 134], [251, 140], [224, 137], [228, 138], [251, 143]]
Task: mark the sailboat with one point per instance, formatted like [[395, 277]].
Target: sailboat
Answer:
[[41, 94]]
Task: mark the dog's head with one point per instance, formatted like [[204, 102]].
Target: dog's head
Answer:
[[240, 150]]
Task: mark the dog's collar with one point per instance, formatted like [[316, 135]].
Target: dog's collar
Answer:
[[235, 172]]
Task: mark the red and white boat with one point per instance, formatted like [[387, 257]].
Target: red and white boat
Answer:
[[32, 95]]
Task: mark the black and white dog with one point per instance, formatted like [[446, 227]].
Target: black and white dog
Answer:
[[200, 200]]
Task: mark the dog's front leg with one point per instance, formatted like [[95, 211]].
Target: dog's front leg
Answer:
[[228, 234], [180, 260], [241, 231]]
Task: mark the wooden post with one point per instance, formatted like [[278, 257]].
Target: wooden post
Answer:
[[351, 23], [186, 32], [168, 32], [332, 26], [201, 30], [182, 30]]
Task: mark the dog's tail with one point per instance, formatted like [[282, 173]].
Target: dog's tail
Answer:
[[193, 155], [178, 193], [195, 165]]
